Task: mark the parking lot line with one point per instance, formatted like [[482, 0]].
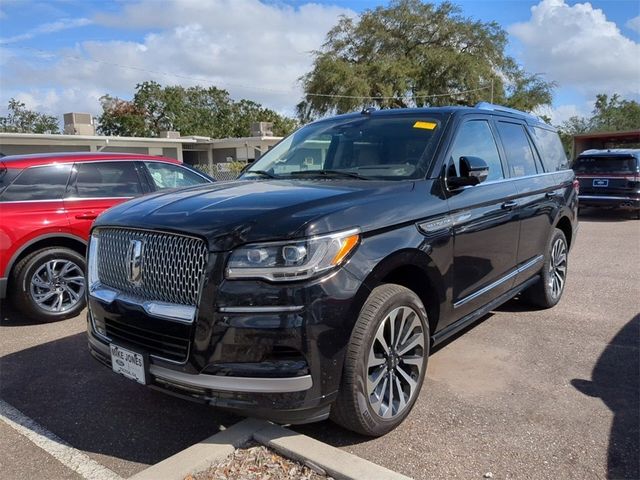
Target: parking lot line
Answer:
[[54, 445]]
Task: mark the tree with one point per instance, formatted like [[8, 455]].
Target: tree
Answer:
[[610, 114], [614, 114], [22, 120], [416, 54], [195, 110], [121, 118]]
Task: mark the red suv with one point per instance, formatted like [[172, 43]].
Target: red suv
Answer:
[[47, 205]]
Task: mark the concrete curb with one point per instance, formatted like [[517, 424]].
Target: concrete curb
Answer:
[[313, 453], [202, 455], [335, 462]]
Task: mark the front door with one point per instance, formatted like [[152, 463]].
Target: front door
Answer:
[[484, 220]]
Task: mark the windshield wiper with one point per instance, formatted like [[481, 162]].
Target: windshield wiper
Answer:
[[264, 173], [336, 173]]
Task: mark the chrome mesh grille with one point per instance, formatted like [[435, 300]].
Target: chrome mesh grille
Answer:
[[172, 265]]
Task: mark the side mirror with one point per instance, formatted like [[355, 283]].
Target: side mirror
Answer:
[[473, 170]]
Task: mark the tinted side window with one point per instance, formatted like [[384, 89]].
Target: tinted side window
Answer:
[[107, 179], [475, 139], [38, 183], [166, 175], [518, 149], [7, 176], [553, 156]]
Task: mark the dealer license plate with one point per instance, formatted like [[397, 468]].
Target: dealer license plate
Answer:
[[600, 182], [128, 363]]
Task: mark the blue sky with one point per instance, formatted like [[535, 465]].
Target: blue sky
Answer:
[[60, 56]]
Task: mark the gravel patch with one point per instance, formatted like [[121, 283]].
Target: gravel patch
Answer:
[[254, 462]]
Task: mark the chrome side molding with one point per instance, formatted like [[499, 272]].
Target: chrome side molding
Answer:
[[525, 266]]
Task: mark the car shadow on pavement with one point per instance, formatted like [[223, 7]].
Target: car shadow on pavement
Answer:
[[62, 388], [9, 317], [605, 215], [615, 380]]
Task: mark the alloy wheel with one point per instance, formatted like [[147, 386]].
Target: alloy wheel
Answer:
[[396, 360], [57, 286], [558, 267]]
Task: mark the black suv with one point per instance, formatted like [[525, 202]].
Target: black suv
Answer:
[[315, 285], [609, 179]]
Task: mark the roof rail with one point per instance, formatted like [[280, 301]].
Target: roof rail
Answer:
[[500, 108]]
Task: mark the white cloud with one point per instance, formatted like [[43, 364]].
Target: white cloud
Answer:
[[254, 50], [45, 28], [561, 113], [578, 47], [634, 23]]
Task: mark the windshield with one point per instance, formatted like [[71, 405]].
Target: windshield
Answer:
[[605, 165], [380, 147]]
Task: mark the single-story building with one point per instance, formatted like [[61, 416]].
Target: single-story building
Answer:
[[605, 140], [209, 154]]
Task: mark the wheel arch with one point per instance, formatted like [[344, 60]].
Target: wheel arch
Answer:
[[415, 270], [564, 224], [72, 242]]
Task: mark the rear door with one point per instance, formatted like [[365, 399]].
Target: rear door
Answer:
[[31, 206], [97, 186], [538, 193], [607, 175], [485, 224]]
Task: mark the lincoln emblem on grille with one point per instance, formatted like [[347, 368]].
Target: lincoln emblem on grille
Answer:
[[134, 262]]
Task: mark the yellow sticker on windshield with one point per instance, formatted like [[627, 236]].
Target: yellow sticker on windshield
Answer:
[[425, 125]]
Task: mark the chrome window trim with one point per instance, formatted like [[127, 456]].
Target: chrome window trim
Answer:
[[74, 199], [61, 199], [167, 311], [265, 309], [510, 179], [218, 382], [498, 282]]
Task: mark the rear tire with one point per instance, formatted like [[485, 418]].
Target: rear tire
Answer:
[[385, 363], [547, 292], [48, 285]]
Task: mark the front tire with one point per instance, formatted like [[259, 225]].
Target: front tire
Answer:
[[547, 292], [385, 363], [48, 285]]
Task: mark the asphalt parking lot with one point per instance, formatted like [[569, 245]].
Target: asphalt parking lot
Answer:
[[522, 394]]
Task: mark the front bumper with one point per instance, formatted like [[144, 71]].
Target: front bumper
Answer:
[[256, 348]]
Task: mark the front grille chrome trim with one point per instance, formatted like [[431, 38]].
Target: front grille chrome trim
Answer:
[[164, 310], [171, 266]]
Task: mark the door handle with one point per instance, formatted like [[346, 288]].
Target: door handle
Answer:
[[551, 195], [87, 216], [509, 205]]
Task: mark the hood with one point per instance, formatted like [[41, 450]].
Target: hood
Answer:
[[231, 213]]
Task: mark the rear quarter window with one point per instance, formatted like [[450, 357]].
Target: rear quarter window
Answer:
[[553, 157], [7, 175], [38, 183]]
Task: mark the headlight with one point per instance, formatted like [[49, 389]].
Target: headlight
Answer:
[[92, 262], [292, 260]]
